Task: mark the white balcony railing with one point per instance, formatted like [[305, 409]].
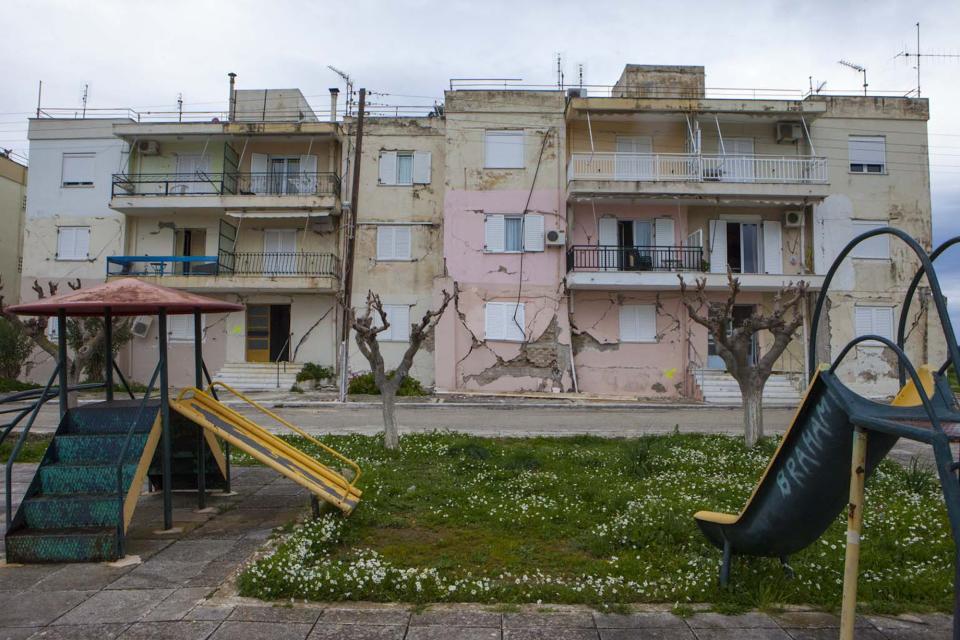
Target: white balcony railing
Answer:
[[689, 167]]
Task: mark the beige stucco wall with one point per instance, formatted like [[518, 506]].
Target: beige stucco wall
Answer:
[[13, 195]]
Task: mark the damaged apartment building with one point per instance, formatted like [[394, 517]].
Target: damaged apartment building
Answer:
[[562, 219]]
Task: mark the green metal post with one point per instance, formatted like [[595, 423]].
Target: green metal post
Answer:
[[62, 356], [108, 355], [198, 383], [167, 452]]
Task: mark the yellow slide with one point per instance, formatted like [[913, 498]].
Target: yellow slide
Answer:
[[203, 409]]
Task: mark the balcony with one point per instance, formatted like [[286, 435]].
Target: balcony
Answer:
[[230, 272], [657, 269], [679, 174], [146, 192]]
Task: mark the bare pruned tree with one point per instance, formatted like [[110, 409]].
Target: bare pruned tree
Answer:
[[734, 343], [368, 326]]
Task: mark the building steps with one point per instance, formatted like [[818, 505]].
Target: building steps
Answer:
[[259, 376], [719, 387]]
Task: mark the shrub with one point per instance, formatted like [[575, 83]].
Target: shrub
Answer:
[[314, 371], [7, 385], [364, 384], [15, 348]]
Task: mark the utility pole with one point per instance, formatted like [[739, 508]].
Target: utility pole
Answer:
[[351, 240]]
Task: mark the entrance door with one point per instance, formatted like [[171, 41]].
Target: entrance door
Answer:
[[268, 332], [258, 333], [743, 247], [740, 313], [285, 176], [190, 242], [279, 249], [633, 159], [738, 163]]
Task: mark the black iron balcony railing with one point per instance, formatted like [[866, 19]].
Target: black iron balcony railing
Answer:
[[219, 184], [615, 258], [247, 264]]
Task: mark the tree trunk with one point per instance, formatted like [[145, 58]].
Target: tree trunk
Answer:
[[752, 413], [391, 439]]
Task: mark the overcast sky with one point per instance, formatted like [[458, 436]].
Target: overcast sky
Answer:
[[141, 54]]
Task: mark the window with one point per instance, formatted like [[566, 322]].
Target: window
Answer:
[[398, 315], [73, 243], [404, 168], [503, 149], [393, 243], [53, 329], [638, 323], [180, 327], [513, 234], [78, 169], [867, 154], [874, 320], [504, 321], [877, 247]]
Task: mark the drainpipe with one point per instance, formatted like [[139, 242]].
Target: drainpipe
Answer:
[[334, 94], [233, 96]]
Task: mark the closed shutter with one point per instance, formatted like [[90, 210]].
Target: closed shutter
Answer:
[[308, 174], [718, 246], [73, 243], [663, 234], [386, 243], [388, 167], [874, 321], [421, 167], [629, 327], [638, 323], [401, 243], [503, 149], [608, 241], [78, 169], [494, 327], [258, 167], [504, 321], [398, 315], [493, 233], [533, 232], [772, 247], [877, 247]]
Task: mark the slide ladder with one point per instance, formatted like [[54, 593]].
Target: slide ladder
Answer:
[[203, 409]]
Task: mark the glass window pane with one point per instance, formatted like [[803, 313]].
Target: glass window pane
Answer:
[[750, 248], [513, 239], [405, 168]]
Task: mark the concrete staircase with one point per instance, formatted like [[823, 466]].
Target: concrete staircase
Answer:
[[258, 376], [719, 387]]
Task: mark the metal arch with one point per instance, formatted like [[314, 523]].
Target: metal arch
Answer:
[[904, 362], [926, 267], [902, 327]]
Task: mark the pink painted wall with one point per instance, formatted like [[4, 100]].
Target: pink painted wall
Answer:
[[585, 217]]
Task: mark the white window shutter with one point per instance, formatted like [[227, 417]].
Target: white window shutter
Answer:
[[629, 325], [83, 242], [400, 321], [647, 322], [493, 321], [421, 167], [515, 323], [533, 232], [663, 233], [386, 243], [718, 246], [772, 247], [493, 233], [258, 166], [883, 321], [863, 317], [877, 247], [401, 243], [388, 167]]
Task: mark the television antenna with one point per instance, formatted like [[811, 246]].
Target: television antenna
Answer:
[[347, 79], [83, 98], [917, 54], [856, 67]]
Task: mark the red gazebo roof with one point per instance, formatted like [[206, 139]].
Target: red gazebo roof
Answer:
[[125, 297]]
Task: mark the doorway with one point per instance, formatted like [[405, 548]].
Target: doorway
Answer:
[[268, 332], [740, 313], [190, 242], [743, 247]]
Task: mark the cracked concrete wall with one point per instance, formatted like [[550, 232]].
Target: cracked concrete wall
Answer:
[[899, 197], [465, 358], [419, 207]]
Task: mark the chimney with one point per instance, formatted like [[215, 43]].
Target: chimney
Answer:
[[233, 96], [334, 94]]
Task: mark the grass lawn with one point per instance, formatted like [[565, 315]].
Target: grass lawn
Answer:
[[588, 520]]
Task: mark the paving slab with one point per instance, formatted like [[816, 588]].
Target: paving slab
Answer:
[[550, 633], [81, 632], [377, 616], [231, 630], [197, 550], [452, 633], [209, 612], [214, 573], [169, 631], [357, 632], [20, 577], [457, 618], [16, 633], [577, 620], [720, 621], [744, 633], [677, 633], [644, 620], [44, 607], [156, 573], [865, 633], [85, 576], [129, 605], [175, 606], [301, 615]]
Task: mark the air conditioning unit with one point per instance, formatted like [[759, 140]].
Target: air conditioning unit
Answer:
[[555, 238], [141, 326], [789, 132], [793, 219], [577, 92], [148, 148]]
